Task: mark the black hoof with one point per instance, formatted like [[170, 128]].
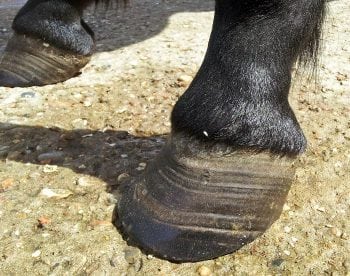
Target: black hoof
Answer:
[[197, 202], [29, 61]]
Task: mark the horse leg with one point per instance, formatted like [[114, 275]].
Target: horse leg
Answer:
[[225, 172]]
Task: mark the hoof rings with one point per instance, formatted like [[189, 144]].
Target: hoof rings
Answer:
[[198, 202], [29, 61]]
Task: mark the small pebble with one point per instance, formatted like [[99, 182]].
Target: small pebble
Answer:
[[87, 103], [122, 177], [27, 211], [121, 110], [336, 232], [39, 148], [287, 229], [51, 156], [28, 95], [55, 193], [84, 181], [286, 252], [294, 239], [42, 221], [277, 262], [36, 254], [112, 144], [184, 80], [50, 168], [79, 123], [133, 63], [69, 136], [204, 271], [321, 209]]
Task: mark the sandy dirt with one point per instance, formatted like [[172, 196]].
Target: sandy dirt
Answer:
[[65, 148]]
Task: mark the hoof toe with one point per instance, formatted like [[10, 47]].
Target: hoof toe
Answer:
[[197, 202], [29, 61]]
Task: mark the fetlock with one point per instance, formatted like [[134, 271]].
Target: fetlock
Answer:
[[243, 114]]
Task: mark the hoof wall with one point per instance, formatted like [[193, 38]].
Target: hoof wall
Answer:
[[29, 61], [196, 203]]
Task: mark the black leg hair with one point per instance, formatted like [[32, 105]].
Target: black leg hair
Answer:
[[240, 94]]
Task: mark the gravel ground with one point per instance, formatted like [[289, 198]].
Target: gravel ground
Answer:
[[65, 148]]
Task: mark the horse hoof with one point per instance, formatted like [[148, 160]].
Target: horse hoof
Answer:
[[198, 201], [29, 61]]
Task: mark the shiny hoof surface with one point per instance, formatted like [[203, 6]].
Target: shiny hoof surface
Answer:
[[198, 201], [29, 61]]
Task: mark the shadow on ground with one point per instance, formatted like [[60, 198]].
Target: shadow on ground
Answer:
[[106, 155], [119, 27], [116, 157]]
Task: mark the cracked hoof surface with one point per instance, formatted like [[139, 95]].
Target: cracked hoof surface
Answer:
[[197, 202], [29, 61]]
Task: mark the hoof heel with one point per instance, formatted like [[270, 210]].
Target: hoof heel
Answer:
[[29, 61], [198, 202]]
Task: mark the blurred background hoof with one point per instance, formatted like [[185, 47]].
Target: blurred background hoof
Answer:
[[29, 61]]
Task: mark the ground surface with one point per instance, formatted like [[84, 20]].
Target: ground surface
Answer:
[[65, 148]]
